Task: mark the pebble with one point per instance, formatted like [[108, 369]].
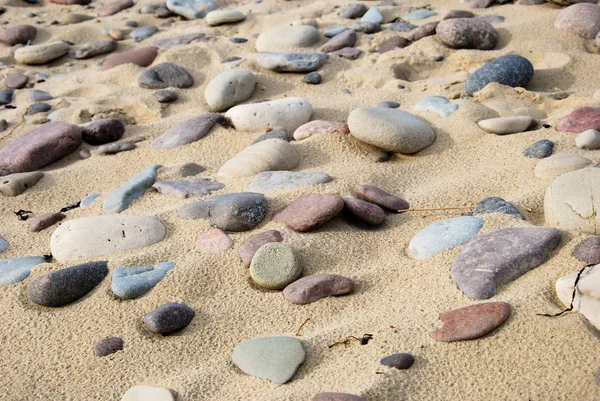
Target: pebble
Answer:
[[345, 39], [313, 78], [390, 129], [38, 108], [39, 96], [365, 211], [16, 270], [88, 200], [472, 321], [6, 96], [61, 287], [337, 397], [512, 70], [43, 221], [193, 188], [276, 180], [232, 212], [278, 134], [190, 169], [571, 201], [108, 346], [291, 62], [493, 19], [373, 15], [133, 189], [191, 9], [229, 88], [388, 104], [116, 34], [179, 40], [589, 139], [16, 81], [581, 119], [458, 14], [17, 183], [399, 361], [3, 245], [349, 53], [18, 34], [116, 147], [540, 149], [467, 33], [586, 299], [269, 155], [168, 318], [582, 19], [115, 7], [219, 17], [142, 33], [248, 249], [142, 57], [132, 24], [317, 286], [214, 241], [103, 131], [272, 358], [238, 40], [335, 31], [506, 125], [320, 127], [148, 393], [310, 211], [3, 125], [287, 38], [494, 204], [443, 236], [39, 147], [378, 196], [93, 236], [274, 266], [588, 251], [133, 282], [40, 54], [165, 96], [395, 42], [402, 26], [499, 257], [188, 131], [437, 104], [288, 113], [419, 14], [353, 11], [556, 165], [165, 75]]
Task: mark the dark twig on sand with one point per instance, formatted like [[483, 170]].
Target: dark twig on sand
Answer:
[[570, 308], [364, 340], [301, 327]]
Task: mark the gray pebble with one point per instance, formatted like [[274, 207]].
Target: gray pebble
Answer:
[[169, 318], [313, 78]]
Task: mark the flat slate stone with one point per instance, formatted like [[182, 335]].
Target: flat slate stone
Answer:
[[291, 62], [501, 256], [317, 286], [168, 318], [540, 149], [15, 270], [495, 204], [188, 131], [272, 358], [192, 188], [310, 211], [133, 282], [16, 184], [248, 249], [472, 321], [165, 75], [64, 286], [382, 198], [133, 189], [274, 266], [275, 180], [443, 236]]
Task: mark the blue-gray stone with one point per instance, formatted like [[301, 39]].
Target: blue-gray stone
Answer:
[[6, 96], [38, 108], [16, 270], [144, 32], [437, 104], [105, 31], [238, 40], [402, 26], [273, 180], [291, 62], [37, 95], [88, 200], [133, 189], [353, 11], [40, 76], [373, 15], [3, 245], [313, 78], [419, 14], [278, 133], [512, 70], [191, 9], [272, 358], [389, 104], [494, 204], [443, 236], [366, 27], [335, 31], [540, 150], [133, 282], [492, 19]]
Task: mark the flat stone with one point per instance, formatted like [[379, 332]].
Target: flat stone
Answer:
[[366, 27], [191, 9], [39, 96], [16, 184], [274, 266], [75, 18], [390, 129], [16, 81], [179, 40], [540, 149], [133, 282], [588, 251], [6, 96], [467, 33], [93, 236], [88, 200], [349, 53], [506, 125], [108, 346], [248, 249], [61, 287], [190, 169], [143, 32], [335, 31], [337, 397], [378, 196], [389, 104], [310, 211], [115, 147], [116, 34], [443, 236], [317, 286], [93, 49], [103, 131], [269, 155], [43, 221], [276, 180], [353, 11], [229, 88], [133, 189], [494, 204], [39, 147], [220, 17], [511, 70], [232, 212], [148, 393], [419, 14], [589, 139], [472, 321], [582, 19], [402, 26], [556, 165], [189, 131], [16, 270], [165, 75], [38, 108], [115, 7], [395, 42], [365, 211], [3, 245], [291, 62], [41, 54], [458, 14], [142, 57], [193, 188], [399, 361], [214, 241], [277, 134], [168, 318], [437, 104], [344, 39], [501, 256], [373, 15], [165, 96], [580, 120], [288, 113], [287, 38], [318, 127], [18, 34]]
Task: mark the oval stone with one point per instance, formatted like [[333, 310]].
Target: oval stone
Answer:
[[115, 7], [268, 155], [365, 211], [443, 236], [188, 131], [287, 38], [472, 321], [467, 33], [399, 361], [340, 41], [229, 88], [165, 75], [191, 9], [288, 113], [40, 54], [556, 165], [168, 318], [142, 57], [291, 62], [219, 17], [108, 346], [317, 286], [506, 125], [214, 241], [512, 70], [43, 221], [581, 119], [19, 34], [274, 266], [582, 19], [103, 131], [310, 211]]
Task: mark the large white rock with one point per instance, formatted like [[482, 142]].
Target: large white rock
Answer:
[[93, 236], [268, 155], [506, 125], [147, 393], [40, 54], [390, 129], [287, 38], [589, 139], [572, 201], [556, 165], [288, 113], [229, 88], [587, 297]]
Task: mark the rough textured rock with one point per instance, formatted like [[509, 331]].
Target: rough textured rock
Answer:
[[540, 149], [317, 286], [340, 41], [165, 75], [422, 31], [349, 53], [168, 318], [310, 211], [193, 188], [108, 346], [472, 321], [43, 221], [501, 256], [133, 189], [103, 131], [582, 19], [443, 236], [269, 155], [399, 361], [318, 127], [494, 204], [142, 57], [274, 266], [133, 282], [214, 241], [506, 125], [291, 62], [16, 81], [365, 211], [580, 120], [557, 165], [287, 38], [41, 54], [18, 34], [188, 131], [382, 198], [288, 113], [512, 70], [467, 33], [15, 270], [190, 169], [248, 249], [16, 184], [588, 250], [275, 180], [229, 88]]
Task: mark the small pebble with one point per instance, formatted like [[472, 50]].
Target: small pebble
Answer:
[[108, 346], [169, 318], [399, 361], [165, 96], [540, 149], [389, 104], [312, 78]]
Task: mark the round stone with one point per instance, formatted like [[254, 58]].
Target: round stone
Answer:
[[274, 266], [229, 88], [287, 38], [312, 78], [582, 19], [108, 346], [512, 70], [288, 114], [467, 33], [506, 125]]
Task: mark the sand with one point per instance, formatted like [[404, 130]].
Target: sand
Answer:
[[46, 354]]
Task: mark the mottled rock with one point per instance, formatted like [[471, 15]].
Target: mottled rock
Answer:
[[582, 19], [443, 236], [512, 70], [133, 189], [43, 221], [168, 318], [268, 155], [16, 184], [588, 251], [494, 204], [103, 131], [472, 321], [287, 38], [276, 180], [220, 17], [556, 165], [395, 42], [133, 282], [506, 125], [540, 149], [141, 57], [274, 266], [188, 131], [41, 54], [193, 188], [108, 346], [310, 211], [19, 34], [115, 7], [88, 200], [248, 249], [291, 62], [317, 286], [214, 241], [165, 75], [378, 196], [288, 113], [580, 120], [467, 33], [344, 39], [191, 9], [402, 26], [6, 96], [399, 361], [15, 270], [229, 88], [190, 169], [318, 127]]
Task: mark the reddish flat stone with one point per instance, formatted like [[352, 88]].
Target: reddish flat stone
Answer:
[[588, 250], [317, 127], [247, 250], [214, 241], [16, 81], [471, 322], [379, 197], [43, 221], [310, 211], [348, 52], [365, 211], [581, 120], [396, 42], [113, 8], [317, 286], [142, 57]]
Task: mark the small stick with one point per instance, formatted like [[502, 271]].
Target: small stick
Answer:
[[570, 308], [427, 209], [301, 326], [19, 124]]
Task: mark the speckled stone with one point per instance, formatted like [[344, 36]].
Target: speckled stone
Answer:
[[467, 33], [472, 321], [540, 149], [108, 346], [588, 250], [168, 318], [581, 119], [132, 190], [248, 249], [274, 266], [494, 204], [512, 70]]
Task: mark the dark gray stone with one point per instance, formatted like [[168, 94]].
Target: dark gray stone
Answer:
[[169, 318], [165, 96], [398, 361], [165, 75], [103, 131], [540, 150], [353, 11], [279, 134], [494, 204], [312, 78], [402, 26], [389, 104], [190, 169], [6, 96], [188, 131], [512, 70], [38, 108], [108, 346], [39, 96], [238, 40]]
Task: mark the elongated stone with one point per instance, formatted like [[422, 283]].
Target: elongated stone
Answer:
[[15, 270], [291, 62], [133, 189], [188, 131], [472, 321]]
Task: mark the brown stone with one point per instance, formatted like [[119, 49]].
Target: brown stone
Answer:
[[142, 57], [344, 39], [310, 211], [115, 7], [20, 34], [472, 321], [580, 120], [16, 81], [317, 286], [350, 53], [467, 33], [247, 250], [365, 211], [396, 42], [379, 197], [43, 221]]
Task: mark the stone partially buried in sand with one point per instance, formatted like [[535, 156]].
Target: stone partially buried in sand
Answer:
[[103, 131], [382, 198], [229, 88], [274, 266], [16, 184], [318, 127], [15, 270], [220, 17], [580, 120], [141, 57], [115, 7], [133, 282], [19, 34], [191, 9], [467, 33], [587, 298], [108, 346], [287, 38], [133, 189], [495, 204], [148, 393], [512, 70], [472, 321], [93, 236], [288, 113], [275, 180], [45, 220], [582, 19], [345, 39], [188, 131], [540, 149], [165, 75], [310, 211], [317, 286], [268, 155], [291, 62], [556, 165], [248, 249], [588, 251], [41, 54], [365, 211]]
